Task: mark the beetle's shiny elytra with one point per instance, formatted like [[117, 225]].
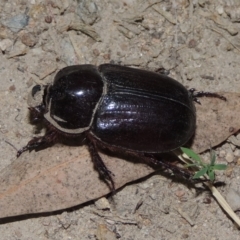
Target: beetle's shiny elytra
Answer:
[[124, 108]]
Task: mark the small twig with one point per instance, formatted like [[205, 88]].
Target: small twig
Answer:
[[219, 32], [185, 216], [11, 144], [222, 202], [168, 16]]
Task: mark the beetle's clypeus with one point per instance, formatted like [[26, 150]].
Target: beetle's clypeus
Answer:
[[124, 108]]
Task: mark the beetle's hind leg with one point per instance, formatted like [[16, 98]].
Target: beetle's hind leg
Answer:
[[99, 165], [196, 95], [178, 171], [49, 138]]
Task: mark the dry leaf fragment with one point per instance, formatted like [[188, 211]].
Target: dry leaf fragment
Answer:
[[216, 121], [61, 176]]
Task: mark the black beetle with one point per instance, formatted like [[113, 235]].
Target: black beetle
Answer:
[[124, 108]]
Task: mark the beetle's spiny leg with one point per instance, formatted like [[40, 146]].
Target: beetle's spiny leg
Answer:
[[178, 171], [196, 95], [104, 173], [49, 138], [208, 94]]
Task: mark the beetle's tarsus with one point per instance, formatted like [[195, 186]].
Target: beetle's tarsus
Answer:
[[103, 171], [196, 95], [49, 138]]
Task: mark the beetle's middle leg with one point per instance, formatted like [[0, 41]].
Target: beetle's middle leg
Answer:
[[103, 171]]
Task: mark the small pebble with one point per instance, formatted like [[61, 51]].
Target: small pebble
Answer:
[[229, 157], [238, 161], [48, 19], [28, 39], [5, 44], [220, 9], [17, 22], [233, 198], [180, 193], [102, 204], [237, 153], [222, 154]]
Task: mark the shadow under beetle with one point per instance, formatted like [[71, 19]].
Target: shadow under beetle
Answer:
[[128, 109]]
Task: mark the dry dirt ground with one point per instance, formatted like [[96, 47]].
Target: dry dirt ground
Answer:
[[197, 41]]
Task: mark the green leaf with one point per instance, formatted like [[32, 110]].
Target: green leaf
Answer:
[[191, 154], [200, 173], [213, 157], [220, 167], [211, 175], [205, 169]]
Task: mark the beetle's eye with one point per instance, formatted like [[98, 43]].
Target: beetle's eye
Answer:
[[35, 89], [35, 96]]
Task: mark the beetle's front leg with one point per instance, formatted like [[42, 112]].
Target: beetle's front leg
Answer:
[[49, 138], [104, 173]]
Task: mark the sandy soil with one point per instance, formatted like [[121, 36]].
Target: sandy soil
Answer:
[[197, 41]]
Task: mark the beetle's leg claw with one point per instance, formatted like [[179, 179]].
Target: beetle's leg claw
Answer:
[[34, 143]]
